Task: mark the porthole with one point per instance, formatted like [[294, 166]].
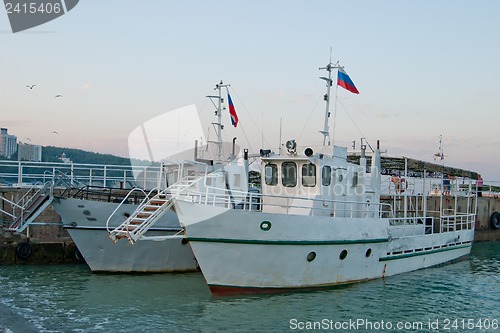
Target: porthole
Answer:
[[368, 253], [265, 226], [343, 254], [311, 256], [86, 212], [126, 215]]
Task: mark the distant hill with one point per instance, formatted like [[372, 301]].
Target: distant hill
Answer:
[[53, 154]]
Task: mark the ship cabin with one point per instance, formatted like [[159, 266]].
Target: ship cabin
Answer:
[[313, 181]]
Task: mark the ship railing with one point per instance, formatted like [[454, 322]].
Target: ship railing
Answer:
[[457, 221], [254, 201], [100, 193], [431, 224]]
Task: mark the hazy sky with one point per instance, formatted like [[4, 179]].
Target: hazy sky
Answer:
[[423, 69]]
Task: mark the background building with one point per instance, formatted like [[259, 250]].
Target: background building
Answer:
[[8, 143], [28, 152]]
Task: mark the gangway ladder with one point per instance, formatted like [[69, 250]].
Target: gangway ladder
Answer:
[[150, 211], [29, 207]]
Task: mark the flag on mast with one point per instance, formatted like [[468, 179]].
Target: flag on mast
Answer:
[[232, 111], [345, 81]]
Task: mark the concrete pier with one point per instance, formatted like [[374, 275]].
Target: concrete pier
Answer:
[[38, 244]]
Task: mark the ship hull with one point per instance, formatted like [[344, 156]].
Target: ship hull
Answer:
[[253, 252], [85, 222]]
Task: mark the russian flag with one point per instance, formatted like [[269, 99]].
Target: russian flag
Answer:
[[232, 111], [345, 81]]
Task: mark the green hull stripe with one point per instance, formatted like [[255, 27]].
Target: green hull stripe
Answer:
[[422, 253], [285, 242]]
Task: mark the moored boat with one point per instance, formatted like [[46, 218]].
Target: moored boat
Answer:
[[320, 222], [93, 214]]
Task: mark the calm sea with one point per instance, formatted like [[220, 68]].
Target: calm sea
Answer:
[[462, 297]]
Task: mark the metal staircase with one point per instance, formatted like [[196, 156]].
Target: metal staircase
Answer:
[[29, 207], [148, 212], [32, 204]]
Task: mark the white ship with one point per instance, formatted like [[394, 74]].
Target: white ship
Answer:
[[91, 221], [320, 222]]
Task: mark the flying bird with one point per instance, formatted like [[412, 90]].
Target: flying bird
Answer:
[[31, 87], [57, 96], [54, 132]]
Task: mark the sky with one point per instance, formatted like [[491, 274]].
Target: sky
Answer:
[[423, 69]]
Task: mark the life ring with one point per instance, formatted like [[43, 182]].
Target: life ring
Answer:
[[495, 221], [24, 250], [401, 185]]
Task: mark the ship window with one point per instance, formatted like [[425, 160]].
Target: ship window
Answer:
[[271, 174], [326, 176], [289, 174], [355, 179], [309, 175], [343, 254]]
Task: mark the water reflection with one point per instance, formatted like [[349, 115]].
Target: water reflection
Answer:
[[71, 298]]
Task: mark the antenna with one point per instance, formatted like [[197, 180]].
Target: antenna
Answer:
[[440, 152], [281, 126], [218, 112], [326, 97]]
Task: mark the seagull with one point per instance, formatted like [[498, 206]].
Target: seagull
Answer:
[[54, 132], [31, 87], [28, 139], [57, 96]]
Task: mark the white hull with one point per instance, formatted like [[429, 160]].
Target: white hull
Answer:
[[236, 255], [86, 223]]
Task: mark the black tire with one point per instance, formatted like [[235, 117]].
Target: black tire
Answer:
[[78, 255], [24, 250], [495, 221]]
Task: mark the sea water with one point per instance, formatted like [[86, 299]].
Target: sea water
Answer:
[[462, 297]]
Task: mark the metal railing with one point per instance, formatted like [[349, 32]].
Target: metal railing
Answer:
[[253, 201], [434, 223], [25, 174]]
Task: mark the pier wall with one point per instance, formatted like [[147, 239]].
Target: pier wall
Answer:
[[486, 206]]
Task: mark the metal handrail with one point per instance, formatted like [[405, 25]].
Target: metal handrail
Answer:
[[210, 197], [180, 186], [91, 174], [125, 199]]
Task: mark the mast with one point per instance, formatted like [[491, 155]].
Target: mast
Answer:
[[218, 112], [326, 97]]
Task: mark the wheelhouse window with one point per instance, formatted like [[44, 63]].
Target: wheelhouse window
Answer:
[[289, 174], [309, 175], [326, 175], [271, 174]]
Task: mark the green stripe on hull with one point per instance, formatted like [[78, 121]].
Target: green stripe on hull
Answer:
[[422, 253], [290, 242]]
